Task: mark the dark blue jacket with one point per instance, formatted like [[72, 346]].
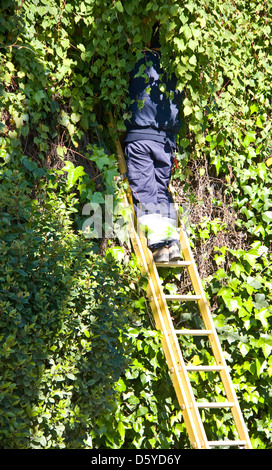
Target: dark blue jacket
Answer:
[[154, 113]]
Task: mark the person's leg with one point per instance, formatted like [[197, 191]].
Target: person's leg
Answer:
[[163, 161], [141, 176]]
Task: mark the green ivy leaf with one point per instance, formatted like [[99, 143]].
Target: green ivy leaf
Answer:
[[74, 173], [253, 282], [187, 110], [260, 302], [119, 6]]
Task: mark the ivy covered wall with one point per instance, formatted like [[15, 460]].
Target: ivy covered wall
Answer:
[[64, 66]]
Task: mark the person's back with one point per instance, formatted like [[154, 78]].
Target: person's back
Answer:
[[155, 101]]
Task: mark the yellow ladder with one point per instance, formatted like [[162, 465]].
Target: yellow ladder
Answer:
[[179, 369]]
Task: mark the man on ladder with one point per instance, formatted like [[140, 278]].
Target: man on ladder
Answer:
[[149, 144]]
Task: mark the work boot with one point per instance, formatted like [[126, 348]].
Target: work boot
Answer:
[[174, 252], [161, 255]]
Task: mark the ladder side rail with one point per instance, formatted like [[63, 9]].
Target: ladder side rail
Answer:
[[174, 356], [184, 394], [213, 338]]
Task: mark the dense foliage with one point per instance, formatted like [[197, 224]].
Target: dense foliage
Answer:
[[81, 365]]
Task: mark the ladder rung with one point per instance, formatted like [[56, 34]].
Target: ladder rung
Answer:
[[173, 264], [194, 332], [226, 443], [183, 297], [204, 368], [220, 404]]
